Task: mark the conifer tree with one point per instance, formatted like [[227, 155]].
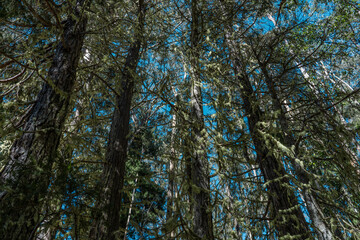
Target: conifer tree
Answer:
[[26, 176]]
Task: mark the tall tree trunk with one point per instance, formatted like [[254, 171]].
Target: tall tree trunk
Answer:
[[171, 178], [316, 215], [199, 168], [187, 160], [284, 201], [288, 217], [27, 174], [108, 226]]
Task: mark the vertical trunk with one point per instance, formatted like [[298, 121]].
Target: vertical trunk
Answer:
[[289, 220], [62, 173], [171, 176], [130, 209], [109, 226], [315, 213], [187, 159], [288, 217], [32, 155], [199, 168]]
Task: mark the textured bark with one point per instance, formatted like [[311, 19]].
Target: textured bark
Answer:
[[284, 201], [288, 217], [27, 174], [186, 145], [316, 215], [200, 170], [109, 225]]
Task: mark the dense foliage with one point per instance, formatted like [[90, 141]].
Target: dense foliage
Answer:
[[184, 119]]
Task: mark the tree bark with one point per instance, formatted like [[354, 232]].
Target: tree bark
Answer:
[[108, 226], [199, 168], [288, 217], [316, 215], [27, 174]]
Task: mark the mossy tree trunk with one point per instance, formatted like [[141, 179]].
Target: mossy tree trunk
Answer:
[[26, 177]]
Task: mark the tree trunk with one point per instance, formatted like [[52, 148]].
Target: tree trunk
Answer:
[[130, 209], [315, 213], [27, 174], [199, 168], [288, 217], [108, 227], [171, 178]]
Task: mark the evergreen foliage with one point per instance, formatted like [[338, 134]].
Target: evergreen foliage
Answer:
[[186, 119]]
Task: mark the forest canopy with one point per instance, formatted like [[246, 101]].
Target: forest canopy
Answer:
[[183, 119]]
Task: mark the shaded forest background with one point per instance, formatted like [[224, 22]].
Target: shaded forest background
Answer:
[[184, 119]]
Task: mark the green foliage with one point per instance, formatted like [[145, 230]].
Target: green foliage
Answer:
[[302, 64]]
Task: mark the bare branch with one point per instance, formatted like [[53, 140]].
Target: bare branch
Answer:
[[7, 80]]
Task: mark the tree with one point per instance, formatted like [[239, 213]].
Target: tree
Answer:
[[118, 137], [199, 162], [26, 176], [184, 120]]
